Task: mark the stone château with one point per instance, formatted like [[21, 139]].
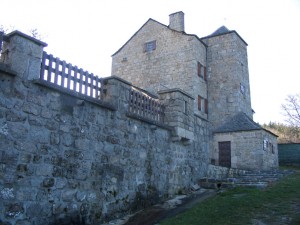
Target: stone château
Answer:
[[79, 149], [213, 70]]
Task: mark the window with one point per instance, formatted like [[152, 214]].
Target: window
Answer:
[[199, 103], [242, 88], [271, 146], [206, 106], [201, 71], [265, 145], [185, 110], [202, 104], [149, 46]]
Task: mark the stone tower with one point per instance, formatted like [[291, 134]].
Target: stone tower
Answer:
[[228, 78]]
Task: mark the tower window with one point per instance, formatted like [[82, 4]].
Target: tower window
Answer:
[[201, 71], [202, 104]]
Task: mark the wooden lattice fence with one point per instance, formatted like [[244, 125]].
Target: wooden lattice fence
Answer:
[[145, 106], [65, 76]]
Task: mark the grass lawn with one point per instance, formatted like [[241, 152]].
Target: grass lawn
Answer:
[[278, 204]]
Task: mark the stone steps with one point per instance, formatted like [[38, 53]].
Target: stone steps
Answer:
[[250, 179]]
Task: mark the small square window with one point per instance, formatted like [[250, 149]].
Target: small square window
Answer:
[[150, 46]]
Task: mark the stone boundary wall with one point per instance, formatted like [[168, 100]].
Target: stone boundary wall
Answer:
[[67, 160], [218, 172]]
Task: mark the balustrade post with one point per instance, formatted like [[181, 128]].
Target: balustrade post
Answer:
[[117, 92], [23, 55], [178, 113]]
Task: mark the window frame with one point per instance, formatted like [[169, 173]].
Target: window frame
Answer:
[[150, 46], [202, 104], [201, 71]]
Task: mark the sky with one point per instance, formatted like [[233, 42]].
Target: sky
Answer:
[[87, 32]]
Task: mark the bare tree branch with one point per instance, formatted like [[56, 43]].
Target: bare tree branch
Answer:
[[291, 108]]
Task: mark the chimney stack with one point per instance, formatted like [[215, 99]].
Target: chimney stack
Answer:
[[176, 21]]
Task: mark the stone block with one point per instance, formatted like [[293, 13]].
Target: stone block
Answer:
[[18, 130], [68, 195], [14, 210], [81, 143], [7, 193], [183, 133], [34, 210], [48, 182], [39, 135], [44, 170]]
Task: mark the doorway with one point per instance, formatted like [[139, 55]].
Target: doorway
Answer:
[[225, 154]]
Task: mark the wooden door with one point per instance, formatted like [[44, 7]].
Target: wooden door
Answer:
[[225, 154]]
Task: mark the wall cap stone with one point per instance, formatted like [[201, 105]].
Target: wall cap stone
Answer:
[[116, 78], [149, 121], [19, 33], [130, 84], [175, 90]]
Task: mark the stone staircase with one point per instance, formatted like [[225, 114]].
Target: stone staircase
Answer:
[[249, 179]]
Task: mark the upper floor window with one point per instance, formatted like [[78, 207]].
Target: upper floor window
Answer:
[[149, 46], [202, 104], [201, 71]]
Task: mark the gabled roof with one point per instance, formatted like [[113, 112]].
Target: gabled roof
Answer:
[[136, 34], [221, 31], [199, 39], [239, 122]]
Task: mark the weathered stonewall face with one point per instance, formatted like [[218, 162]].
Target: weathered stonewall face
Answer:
[[65, 160]]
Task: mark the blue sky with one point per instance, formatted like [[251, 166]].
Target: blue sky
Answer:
[[87, 32]]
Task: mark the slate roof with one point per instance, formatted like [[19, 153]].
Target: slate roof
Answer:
[[239, 122], [221, 30]]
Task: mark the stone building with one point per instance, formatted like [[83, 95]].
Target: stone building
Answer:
[[76, 148], [213, 70]]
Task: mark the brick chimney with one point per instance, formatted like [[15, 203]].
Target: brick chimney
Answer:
[[176, 21]]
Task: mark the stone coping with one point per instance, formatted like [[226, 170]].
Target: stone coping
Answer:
[[130, 84], [19, 33], [149, 121], [176, 90]]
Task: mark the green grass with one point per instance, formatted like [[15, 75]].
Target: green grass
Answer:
[[279, 204]]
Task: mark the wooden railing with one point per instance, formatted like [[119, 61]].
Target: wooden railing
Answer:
[[65, 76], [144, 106]]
